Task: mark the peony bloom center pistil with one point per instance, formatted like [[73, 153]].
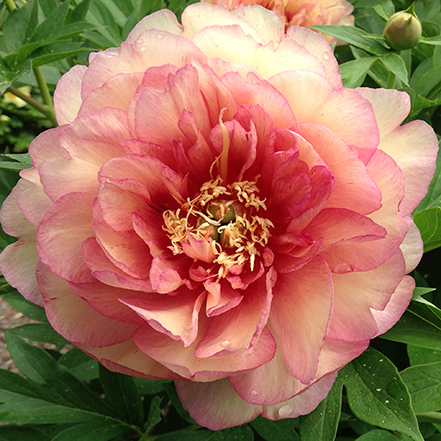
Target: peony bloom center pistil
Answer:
[[228, 217]]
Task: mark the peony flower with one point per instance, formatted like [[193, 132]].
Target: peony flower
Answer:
[[301, 12], [215, 208]]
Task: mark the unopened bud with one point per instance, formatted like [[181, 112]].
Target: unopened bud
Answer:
[[403, 30]]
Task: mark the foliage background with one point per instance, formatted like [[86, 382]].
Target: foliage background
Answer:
[[391, 392]]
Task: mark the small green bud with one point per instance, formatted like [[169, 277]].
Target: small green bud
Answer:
[[403, 30]]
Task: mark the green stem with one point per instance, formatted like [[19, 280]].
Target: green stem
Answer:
[[391, 80], [429, 417], [11, 5], [45, 94], [33, 102]]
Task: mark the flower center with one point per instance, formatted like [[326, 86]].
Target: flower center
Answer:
[[225, 216]]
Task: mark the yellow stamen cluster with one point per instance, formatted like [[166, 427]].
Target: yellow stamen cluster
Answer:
[[226, 216]]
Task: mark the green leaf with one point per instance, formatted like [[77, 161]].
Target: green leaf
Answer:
[[81, 365], [428, 81], [354, 72], [42, 332], [8, 433], [355, 36], [240, 433], [395, 64], [99, 15], [19, 26], [377, 435], [424, 383], [419, 355], [434, 41], [122, 394], [8, 76], [98, 431], [57, 51], [52, 24], [282, 430], [377, 395], [385, 9], [48, 6], [14, 166], [150, 387], [37, 365], [414, 330], [183, 435], [19, 157], [79, 12], [428, 222], [72, 30], [433, 196], [27, 308], [322, 423], [173, 397], [154, 415]]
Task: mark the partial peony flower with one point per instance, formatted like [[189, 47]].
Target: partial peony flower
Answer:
[[217, 209], [301, 12]]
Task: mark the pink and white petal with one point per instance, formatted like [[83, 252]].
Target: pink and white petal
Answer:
[[414, 147], [397, 305], [215, 405], [237, 330], [220, 298], [96, 138], [199, 250], [107, 301], [126, 358], [73, 318], [198, 16], [108, 273], [67, 95], [46, 146], [115, 92], [299, 319], [264, 21], [66, 224], [152, 48], [361, 194], [390, 107], [167, 275], [17, 264], [303, 403], [355, 293], [163, 20], [412, 246], [319, 47], [174, 315], [231, 44], [172, 354]]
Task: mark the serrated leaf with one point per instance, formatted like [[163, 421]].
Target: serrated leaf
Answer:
[[395, 64], [428, 222], [52, 24], [322, 423], [424, 383], [355, 36], [41, 332], [19, 26], [282, 430], [27, 308], [377, 395], [123, 395], [101, 431]]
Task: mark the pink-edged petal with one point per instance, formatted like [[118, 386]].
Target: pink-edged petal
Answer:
[[215, 405], [221, 298], [17, 264], [172, 354], [174, 315], [47, 146], [238, 330], [107, 301], [412, 246], [107, 272], [67, 96], [163, 20], [115, 92], [299, 319], [167, 275], [66, 224], [230, 43], [354, 188], [355, 293], [198, 16], [397, 305], [198, 249], [317, 46], [73, 318], [127, 359], [152, 48], [344, 111]]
